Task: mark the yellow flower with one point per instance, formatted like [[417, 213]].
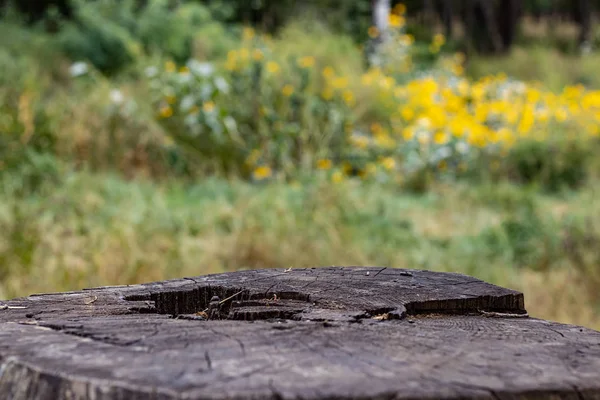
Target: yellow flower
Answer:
[[360, 141], [170, 66], [337, 177], [208, 107], [306, 62], [460, 57], [324, 164], [396, 21], [248, 33], [230, 65], [244, 54], [407, 40], [384, 140], [171, 99], [407, 113], [463, 87], [273, 67], [327, 93], [257, 54], [408, 133], [165, 112], [458, 69], [328, 72], [373, 32], [388, 163], [349, 98], [439, 40], [287, 90], [340, 83], [561, 115], [262, 172], [440, 137], [371, 168]]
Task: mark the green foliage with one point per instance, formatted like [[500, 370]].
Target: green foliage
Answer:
[[114, 34], [262, 109], [580, 243], [523, 239], [27, 137], [108, 46], [554, 164]]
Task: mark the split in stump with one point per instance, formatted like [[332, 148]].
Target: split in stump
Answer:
[[318, 333]]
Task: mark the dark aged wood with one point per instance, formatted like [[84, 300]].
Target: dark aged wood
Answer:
[[322, 333]]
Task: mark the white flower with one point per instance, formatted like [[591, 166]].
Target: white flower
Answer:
[[151, 72], [79, 68], [444, 152], [222, 84], [187, 103], [462, 147], [116, 96], [203, 69]]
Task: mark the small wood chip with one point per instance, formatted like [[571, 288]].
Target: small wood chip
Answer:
[[7, 307], [493, 314], [90, 300], [382, 317]]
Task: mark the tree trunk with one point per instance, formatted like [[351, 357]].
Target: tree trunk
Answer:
[[584, 18], [315, 333], [509, 13], [482, 28], [380, 18], [447, 17], [381, 12]]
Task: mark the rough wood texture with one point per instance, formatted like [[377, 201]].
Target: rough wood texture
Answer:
[[322, 333]]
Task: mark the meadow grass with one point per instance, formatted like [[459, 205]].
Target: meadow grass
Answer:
[[96, 190], [99, 229], [539, 63]]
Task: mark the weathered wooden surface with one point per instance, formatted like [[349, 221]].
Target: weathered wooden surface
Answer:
[[359, 333]]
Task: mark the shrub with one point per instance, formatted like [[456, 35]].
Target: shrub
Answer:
[[554, 164], [113, 34]]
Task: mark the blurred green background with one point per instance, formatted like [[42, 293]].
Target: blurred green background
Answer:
[[143, 140]]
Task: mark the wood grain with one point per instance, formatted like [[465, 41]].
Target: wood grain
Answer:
[[320, 333]]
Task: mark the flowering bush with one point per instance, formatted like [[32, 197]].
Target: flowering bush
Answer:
[[255, 113], [262, 115]]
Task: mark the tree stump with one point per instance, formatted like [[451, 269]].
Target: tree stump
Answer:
[[317, 333]]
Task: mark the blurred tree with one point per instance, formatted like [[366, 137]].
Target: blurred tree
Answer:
[[491, 25], [35, 10], [446, 10], [583, 14]]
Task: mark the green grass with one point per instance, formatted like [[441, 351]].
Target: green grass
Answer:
[[67, 222], [98, 229], [542, 64]]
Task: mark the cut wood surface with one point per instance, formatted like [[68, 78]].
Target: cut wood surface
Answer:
[[317, 333]]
